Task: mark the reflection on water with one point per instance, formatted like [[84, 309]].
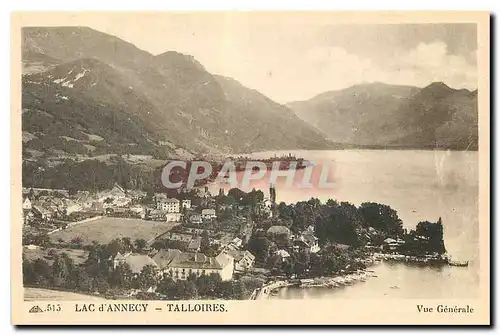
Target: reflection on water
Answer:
[[397, 280], [420, 185]]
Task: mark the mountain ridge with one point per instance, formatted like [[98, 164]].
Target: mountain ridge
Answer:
[[373, 115], [171, 96]]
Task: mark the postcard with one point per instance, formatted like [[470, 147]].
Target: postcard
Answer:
[[250, 168]]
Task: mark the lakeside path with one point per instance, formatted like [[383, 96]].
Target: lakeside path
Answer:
[[265, 291], [341, 280]]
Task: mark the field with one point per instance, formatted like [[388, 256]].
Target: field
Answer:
[[106, 229], [42, 294]]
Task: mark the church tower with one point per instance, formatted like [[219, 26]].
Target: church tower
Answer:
[[272, 194]]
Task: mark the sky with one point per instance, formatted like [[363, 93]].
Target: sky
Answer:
[[290, 59]]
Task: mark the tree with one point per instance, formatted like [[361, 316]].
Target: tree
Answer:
[[43, 272], [382, 217], [190, 290], [79, 279], [232, 290], [237, 194], [166, 286], [208, 284], [433, 233], [115, 246], [29, 275], [61, 269], [140, 244], [337, 228], [127, 243], [288, 266], [31, 194], [259, 247], [100, 284], [41, 239], [301, 265], [147, 277], [205, 242], [77, 240], [120, 277], [274, 262]]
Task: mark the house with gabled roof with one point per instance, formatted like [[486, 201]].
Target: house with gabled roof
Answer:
[[243, 259], [27, 204], [136, 261], [306, 242], [41, 212], [180, 265]]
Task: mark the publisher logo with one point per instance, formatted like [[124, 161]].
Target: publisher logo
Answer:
[[35, 309]]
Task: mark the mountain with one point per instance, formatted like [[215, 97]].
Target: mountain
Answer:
[[390, 116], [84, 107], [90, 93]]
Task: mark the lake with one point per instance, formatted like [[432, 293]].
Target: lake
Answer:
[[420, 185]]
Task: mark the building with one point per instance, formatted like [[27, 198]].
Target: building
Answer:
[[196, 219], [138, 211], [186, 203], [69, 206], [283, 254], [136, 194], [180, 265], [97, 207], [306, 242], [208, 214], [27, 204], [117, 192], [85, 199], [165, 204], [157, 215], [393, 244], [243, 259], [116, 197], [136, 261], [194, 245], [173, 217], [179, 237], [41, 213], [279, 231], [234, 244]]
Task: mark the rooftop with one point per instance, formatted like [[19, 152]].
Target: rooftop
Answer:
[[169, 258]]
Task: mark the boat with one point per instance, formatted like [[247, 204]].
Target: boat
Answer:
[[348, 280], [458, 263], [339, 280]]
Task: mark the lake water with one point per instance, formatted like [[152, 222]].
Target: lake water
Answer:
[[420, 185]]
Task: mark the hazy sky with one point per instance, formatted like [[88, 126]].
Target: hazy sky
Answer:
[[295, 60]]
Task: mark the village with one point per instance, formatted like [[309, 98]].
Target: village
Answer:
[[130, 243], [177, 237]]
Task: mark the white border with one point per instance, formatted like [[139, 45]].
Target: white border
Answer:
[[113, 5]]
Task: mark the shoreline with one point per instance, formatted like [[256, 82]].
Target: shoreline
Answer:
[[349, 279], [333, 282]]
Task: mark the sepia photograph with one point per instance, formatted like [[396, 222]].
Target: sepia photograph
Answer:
[[175, 163]]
